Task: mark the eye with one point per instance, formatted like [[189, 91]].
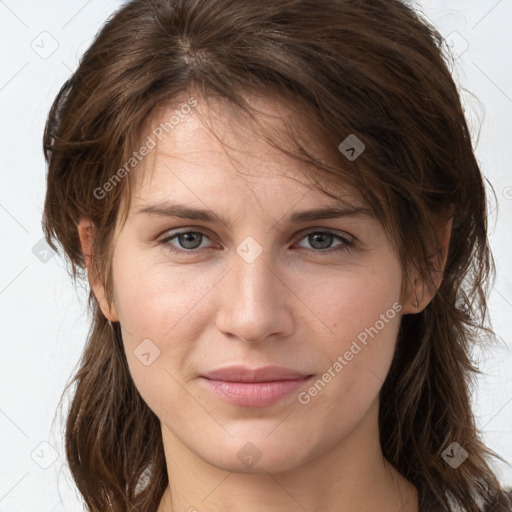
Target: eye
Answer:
[[191, 241], [321, 240]]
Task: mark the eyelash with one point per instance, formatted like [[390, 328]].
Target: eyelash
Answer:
[[346, 244]]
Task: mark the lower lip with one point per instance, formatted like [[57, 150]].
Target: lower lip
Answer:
[[254, 394]]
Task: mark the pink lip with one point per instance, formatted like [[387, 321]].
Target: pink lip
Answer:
[[259, 387], [246, 374]]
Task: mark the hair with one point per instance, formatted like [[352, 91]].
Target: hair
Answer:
[[372, 68]]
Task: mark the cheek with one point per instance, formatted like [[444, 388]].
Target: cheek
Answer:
[[363, 314], [351, 303], [156, 300], [161, 319]]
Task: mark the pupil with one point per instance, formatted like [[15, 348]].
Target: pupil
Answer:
[[323, 235], [189, 239]]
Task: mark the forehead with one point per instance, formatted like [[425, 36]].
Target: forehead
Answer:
[[216, 151]]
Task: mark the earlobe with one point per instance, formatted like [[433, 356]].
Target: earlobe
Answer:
[[85, 229], [85, 232], [413, 303], [421, 295]]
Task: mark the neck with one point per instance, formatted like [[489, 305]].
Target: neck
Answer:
[[351, 476]]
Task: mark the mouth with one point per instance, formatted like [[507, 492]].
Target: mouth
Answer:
[[260, 387], [251, 375]]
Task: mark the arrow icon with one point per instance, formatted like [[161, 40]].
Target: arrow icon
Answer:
[[352, 147], [146, 352], [44, 455], [42, 251], [249, 249], [249, 455], [44, 44], [454, 455]]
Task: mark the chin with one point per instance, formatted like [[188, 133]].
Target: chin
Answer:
[[263, 453]]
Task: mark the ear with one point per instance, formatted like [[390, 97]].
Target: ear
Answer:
[[422, 291], [85, 232]]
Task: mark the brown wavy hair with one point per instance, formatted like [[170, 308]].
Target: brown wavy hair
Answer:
[[374, 68]]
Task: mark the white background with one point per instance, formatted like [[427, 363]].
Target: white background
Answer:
[[44, 319]]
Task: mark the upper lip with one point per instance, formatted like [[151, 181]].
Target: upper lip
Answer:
[[246, 374]]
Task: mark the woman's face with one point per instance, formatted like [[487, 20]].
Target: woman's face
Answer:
[[261, 289]]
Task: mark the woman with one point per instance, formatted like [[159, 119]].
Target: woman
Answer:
[[311, 351]]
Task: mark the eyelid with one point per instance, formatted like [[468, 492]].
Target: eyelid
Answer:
[[171, 233], [343, 234], [348, 239], [302, 233]]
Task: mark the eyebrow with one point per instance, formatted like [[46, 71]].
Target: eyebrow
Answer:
[[181, 211]]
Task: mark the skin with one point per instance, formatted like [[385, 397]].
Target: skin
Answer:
[[295, 306]]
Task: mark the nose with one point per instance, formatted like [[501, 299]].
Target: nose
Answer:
[[255, 303]]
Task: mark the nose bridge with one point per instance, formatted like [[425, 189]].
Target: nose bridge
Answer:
[[254, 305], [255, 282]]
